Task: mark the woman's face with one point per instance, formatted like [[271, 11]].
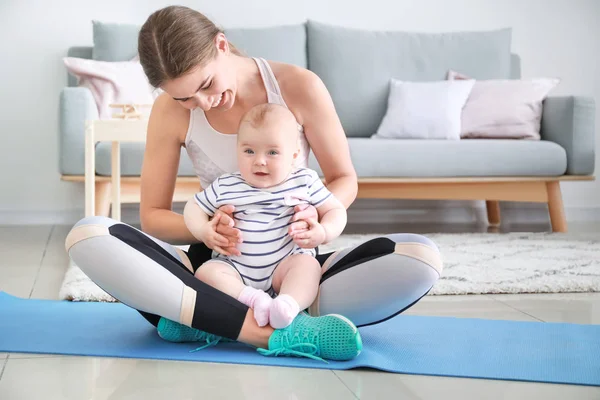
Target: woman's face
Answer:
[[212, 86]]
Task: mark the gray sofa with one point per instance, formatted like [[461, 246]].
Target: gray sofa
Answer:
[[356, 66]]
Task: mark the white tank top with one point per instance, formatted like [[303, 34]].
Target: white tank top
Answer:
[[214, 153]]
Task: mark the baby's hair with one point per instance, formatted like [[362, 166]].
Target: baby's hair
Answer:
[[262, 114]]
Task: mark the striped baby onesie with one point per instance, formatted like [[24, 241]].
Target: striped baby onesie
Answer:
[[263, 215]]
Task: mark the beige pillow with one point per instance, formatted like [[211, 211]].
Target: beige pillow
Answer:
[[504, 108]]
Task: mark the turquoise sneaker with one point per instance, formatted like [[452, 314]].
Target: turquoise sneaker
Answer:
[[331, 337], [172, 331]]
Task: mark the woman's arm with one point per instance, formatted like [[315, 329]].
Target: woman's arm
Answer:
[[310, 101], [204, 229], [167, 125], [333, 218], [195, 219]]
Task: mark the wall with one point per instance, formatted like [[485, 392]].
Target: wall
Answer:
[[553, 37]]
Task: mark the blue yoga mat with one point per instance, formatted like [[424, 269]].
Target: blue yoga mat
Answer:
[[440, 346]]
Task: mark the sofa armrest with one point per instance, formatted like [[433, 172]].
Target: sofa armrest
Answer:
[[570, 122], [76, 106]]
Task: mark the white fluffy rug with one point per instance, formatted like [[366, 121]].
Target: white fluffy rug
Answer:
[[474, 263]]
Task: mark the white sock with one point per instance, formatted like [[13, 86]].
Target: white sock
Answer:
[[259, 301], [283, 311]]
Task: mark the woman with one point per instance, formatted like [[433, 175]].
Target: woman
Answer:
[[208, 86]]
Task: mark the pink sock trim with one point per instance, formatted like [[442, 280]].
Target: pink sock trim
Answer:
[[248, 296], [258, 301], [283, 311]]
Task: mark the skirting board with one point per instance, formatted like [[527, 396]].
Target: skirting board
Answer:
[[363, 211]]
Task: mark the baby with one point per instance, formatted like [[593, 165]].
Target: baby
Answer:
[[264, 192]]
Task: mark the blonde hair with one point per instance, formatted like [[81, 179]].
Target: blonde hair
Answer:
[[174, 40], [263, 114]]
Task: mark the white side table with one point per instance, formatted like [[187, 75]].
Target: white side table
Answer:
[[129, 126]]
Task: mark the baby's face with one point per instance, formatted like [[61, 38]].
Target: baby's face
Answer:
[[266, 155]]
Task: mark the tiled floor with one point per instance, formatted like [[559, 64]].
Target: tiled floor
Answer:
[[33, 265]]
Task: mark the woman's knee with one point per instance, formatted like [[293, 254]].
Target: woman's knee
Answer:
[[96, 220], [412, 238], [418, 247], [88, 228]]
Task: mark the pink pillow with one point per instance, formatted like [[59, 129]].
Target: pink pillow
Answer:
[[504, 108], [112, 82]]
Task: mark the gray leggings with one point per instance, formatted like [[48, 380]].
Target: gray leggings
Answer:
[[368, 283]]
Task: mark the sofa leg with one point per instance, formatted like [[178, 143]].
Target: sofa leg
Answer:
[[493, 212], [556, 207], [102, 198]]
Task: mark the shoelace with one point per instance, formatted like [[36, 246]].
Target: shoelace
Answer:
[[290, 349], [210, 341]]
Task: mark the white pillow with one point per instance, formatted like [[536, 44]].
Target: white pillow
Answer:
[[424, 110]]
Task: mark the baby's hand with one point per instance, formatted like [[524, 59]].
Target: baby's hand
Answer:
[[311, 238], [214, 240], [302, 213], [226, 225]]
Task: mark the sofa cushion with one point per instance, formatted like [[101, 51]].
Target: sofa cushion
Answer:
[[404, 158], [114, 41], [279, 43], [356, 65], [118, 42], [132, 155], [444, 158]]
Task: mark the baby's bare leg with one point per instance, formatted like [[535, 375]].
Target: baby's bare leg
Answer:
[[225, 278], [221, 276], [296, 280]]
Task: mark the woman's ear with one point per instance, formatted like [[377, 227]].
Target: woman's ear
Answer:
[[222, 43]]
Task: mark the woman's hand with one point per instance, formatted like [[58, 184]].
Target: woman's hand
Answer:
[[306, 231], [225, 227]]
